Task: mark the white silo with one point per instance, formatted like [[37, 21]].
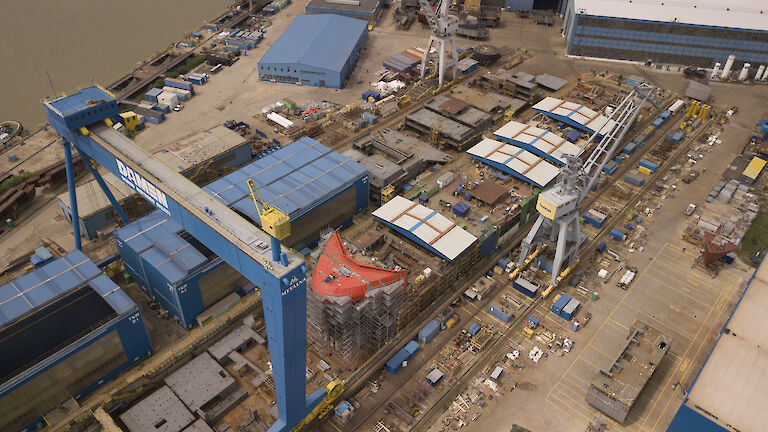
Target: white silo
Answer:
[[715, 71], [728, 65], [759, 73], [744, 72]]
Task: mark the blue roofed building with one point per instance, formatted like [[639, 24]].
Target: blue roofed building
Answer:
[[318, 50], [318, 188], [65, 329], [182, 275]]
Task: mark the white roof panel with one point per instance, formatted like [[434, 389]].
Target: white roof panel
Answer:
[[743, 14], [520, 162], [436, 231], [579, 114]]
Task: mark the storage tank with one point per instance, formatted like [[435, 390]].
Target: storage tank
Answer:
[[728, 65], [715, 71], [744, 72], [759, 73]]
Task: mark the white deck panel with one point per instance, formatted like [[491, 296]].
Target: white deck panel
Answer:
[[547, 104], [485, 147], [510, 129], [429, 226], [732, 383], [577, 113], [528, 157]]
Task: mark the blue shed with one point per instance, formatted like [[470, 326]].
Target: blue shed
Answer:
[[396, 361], [182, 275], [473, 329], [461, 208], [316, 50], [429, 331], [70, 329]]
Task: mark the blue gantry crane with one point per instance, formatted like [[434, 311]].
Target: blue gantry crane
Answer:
[[82, 121]]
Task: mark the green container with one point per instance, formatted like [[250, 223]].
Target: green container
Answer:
[[9, 222], [594, 295]]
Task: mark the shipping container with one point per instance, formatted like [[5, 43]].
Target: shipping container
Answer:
[[573, 136], [173, 82], [559, 303], [500, 312], [610, 167], [181, 94], [570, 309], [618, 234], [470, 294], [429, 331], [411, 348], [648, 164], [168, 98], [161, 107], [152, 94], [496, 373], [629, 148], [525, 286], [445, 179], [644, 170], [601, 247], [444, 315], [394, 364], [636, 179]]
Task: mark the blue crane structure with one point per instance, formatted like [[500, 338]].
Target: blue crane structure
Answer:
[[82, 121]]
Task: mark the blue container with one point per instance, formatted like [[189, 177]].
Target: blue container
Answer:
[[588, 219], [275, 141], [473, 329], [557, 306], [618, 159], [677, 137], [544, 264], [429, 331], [635, 179], [648, 164], [423, 198], [570, 309], [640, 139], [163, 108], [727, 259], [461, 208], [155, 120], [601, 247], [656, 123], [411, 348], [500, 312], [665, 115], [525, 286], [173, 82], [618, 234], [467, 195], [610, 167], [394, 364], [639, 219], [458, 189], [152, 94], [629, 148]]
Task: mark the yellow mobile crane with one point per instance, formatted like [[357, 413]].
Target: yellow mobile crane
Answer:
[[332, 392]]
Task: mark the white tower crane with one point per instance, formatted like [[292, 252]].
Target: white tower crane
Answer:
[[559, 205], [443, 28]]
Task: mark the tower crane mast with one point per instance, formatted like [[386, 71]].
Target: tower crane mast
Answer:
[[559, 206], [443, 27]]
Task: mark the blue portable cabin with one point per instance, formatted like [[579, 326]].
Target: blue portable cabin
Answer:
[[651, 166], [152, 94], [526, 287], [569, 309], [500, 312], [429, 331], [473, 329], [629, 148], [636, 179]]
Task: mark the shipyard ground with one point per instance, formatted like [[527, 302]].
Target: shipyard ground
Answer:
[[549, 395]]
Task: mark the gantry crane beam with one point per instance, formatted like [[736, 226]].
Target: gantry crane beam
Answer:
[[79, 121]]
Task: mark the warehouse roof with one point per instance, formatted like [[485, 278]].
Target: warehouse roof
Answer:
[[743, 14], [156, 239], [55, 279], [296, 179], [731, 385], [574, 114], [514, 160], [538, 141], [200, 147], [355, 7], [426, 226], [324, 41], [200, 381]]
